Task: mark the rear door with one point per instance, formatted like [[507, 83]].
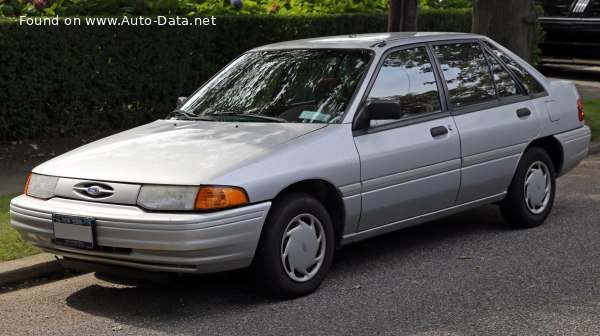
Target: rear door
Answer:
[[409, 166], [494, 114]]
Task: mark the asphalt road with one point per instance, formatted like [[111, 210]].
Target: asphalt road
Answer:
[[469, 274]]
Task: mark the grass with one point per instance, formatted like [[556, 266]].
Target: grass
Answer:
[[12, 245], [592, 117]]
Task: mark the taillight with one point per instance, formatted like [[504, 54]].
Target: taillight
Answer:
[[580, 113]]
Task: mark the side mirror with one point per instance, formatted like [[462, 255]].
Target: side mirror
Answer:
[[180, 101], [378, 110]]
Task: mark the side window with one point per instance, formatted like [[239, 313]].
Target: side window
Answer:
[[530, 83], [407, 76], [506, 86], [466, 73]]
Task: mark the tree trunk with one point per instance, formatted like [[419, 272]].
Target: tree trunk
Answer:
[[394, 15], [409, 19], [402, 15], [511, 23]]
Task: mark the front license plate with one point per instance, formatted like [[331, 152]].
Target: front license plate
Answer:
[[73, 231]]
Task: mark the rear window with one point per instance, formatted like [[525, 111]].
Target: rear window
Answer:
[[530, 83]]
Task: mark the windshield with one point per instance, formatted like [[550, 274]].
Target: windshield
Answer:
[[300, 86]]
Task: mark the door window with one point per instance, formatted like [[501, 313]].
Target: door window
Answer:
[[407, 76], [506, 86], [530, 83], [466, 73]]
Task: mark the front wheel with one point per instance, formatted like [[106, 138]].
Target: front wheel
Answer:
[[296, 247], [530, 195]]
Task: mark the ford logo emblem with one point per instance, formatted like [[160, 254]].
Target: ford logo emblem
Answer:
[[93, 191]]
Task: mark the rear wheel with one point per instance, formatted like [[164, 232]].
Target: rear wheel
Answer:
[[530, 195], [296, 247]]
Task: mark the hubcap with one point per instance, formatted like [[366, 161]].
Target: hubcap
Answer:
[[537, 187], [303, 247]]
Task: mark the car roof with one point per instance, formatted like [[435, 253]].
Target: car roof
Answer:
[[366, 41]]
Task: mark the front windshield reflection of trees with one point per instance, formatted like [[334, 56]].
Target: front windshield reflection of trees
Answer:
[[294, 85]]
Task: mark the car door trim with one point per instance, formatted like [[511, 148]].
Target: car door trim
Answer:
[[410, 175], [494, 154], [350, 189]]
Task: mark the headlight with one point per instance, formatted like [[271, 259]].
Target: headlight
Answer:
[[40, 186], [158, 197]]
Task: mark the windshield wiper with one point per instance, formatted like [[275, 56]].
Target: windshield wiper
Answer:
[[182, 115], [249, 116]]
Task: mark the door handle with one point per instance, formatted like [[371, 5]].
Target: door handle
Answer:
[[437, 131], [523, 112]]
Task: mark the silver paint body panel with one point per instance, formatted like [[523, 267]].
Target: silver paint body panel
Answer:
[[399, 181]]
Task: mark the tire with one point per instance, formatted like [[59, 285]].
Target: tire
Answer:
[[295, 248], [530, 196]]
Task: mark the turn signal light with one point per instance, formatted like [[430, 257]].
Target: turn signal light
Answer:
[[580, 112], [216, 197], [27, 184]]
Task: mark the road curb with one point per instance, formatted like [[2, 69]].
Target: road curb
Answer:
[[28, 268]]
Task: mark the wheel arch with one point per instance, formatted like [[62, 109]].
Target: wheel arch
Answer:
[[328, 195], [554, 149]]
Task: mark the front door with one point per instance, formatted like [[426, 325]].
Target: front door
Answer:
[[410, 166]]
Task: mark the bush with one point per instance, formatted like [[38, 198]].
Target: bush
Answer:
[[82, 79], [446, 20]]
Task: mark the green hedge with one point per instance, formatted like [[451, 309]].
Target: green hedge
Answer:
[[80, 79]]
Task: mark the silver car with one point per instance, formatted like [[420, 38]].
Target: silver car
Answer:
[[297, 148]]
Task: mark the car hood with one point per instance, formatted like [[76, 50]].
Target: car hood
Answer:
[[172, 152]]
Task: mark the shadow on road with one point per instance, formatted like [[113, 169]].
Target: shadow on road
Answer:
[[219, 296]]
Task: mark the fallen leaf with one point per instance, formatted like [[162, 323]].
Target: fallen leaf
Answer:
[[34, 146], [357, 286], [117, 328], [464, 257]]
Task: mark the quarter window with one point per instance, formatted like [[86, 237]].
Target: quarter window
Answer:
[[407, 76], [466, 72], [506, 86], [530, 83]]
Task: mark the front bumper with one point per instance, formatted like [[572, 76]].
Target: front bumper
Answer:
[[156, 241]]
